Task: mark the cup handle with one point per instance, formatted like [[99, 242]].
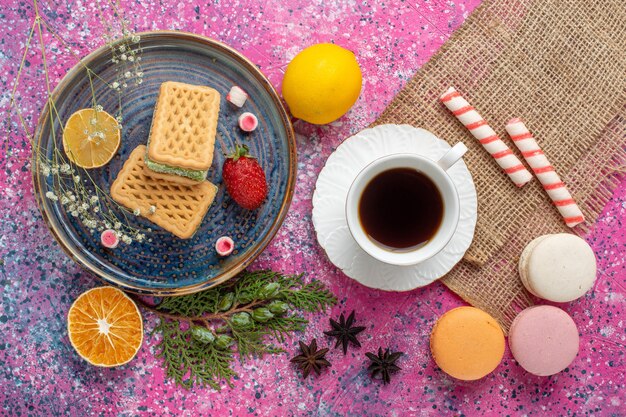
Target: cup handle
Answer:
[[452, 156]]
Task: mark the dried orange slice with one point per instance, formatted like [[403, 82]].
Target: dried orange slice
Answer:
[[105, 327], [91, 138]]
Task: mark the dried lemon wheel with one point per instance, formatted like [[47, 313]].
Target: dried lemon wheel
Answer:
[[91, 138], [105, 327]]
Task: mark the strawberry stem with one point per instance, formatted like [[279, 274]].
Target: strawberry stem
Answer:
[[241, 151]]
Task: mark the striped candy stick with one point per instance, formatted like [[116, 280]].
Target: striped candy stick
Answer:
[[545, 172], [479, 128]]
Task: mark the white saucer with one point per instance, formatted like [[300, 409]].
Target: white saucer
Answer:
[[329, 201]]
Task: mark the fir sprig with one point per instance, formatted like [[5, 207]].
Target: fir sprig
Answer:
[[189, 362], [200, 333]]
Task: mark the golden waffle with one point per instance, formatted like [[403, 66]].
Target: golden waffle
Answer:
[[179, 209], [184, 125]]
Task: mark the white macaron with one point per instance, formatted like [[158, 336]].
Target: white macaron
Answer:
[[559, 267]]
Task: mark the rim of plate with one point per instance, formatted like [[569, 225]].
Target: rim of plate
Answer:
[[79, 257]]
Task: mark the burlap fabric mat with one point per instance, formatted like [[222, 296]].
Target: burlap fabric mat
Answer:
[[561, 67]]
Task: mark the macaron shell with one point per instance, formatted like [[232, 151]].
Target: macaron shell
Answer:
[[467, 343], [561, 268], [544, 340], [523, 262]]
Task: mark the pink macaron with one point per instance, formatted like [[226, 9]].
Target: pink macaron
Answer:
[[544, 340]]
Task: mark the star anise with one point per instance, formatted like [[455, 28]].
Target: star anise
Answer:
[[345, 332], [383, 363], [311, 358]]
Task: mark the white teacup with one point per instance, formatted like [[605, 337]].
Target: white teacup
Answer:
[[436, 172]]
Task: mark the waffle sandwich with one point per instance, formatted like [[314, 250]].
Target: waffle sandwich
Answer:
[[177, 208], [182, 135]]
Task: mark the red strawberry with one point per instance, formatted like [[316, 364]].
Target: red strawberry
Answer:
[[244, 178]]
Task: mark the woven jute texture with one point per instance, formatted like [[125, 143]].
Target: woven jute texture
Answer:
[[561, 67]]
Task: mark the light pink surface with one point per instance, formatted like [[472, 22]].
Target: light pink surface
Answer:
[[41, 374]]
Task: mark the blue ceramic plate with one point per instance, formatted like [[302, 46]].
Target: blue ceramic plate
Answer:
[[168, 265]]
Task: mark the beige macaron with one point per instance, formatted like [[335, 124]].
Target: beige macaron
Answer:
[[559, 267]]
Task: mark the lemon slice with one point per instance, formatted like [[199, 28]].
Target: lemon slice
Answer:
[[91, 138]]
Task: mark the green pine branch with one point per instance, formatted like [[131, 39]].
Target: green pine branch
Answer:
[[313, 296], [201, 333], [188, 361]]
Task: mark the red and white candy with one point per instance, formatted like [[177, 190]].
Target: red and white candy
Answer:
[[479, 128], [109, 239], [545, 172], [224, 246], [237, 96], [248, 122]]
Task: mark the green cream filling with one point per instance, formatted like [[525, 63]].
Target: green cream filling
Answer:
[[166, 169]]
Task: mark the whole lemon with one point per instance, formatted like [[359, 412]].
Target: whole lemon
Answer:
[[321, 83]]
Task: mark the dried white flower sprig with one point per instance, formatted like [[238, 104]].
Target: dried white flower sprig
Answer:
[[126, 54], [68, 184], [84, 200]]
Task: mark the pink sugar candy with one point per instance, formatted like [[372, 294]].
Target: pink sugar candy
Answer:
[[478, 127], [248, 122], [224, 246], [109, 239], [237, 96], [545, 172]]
